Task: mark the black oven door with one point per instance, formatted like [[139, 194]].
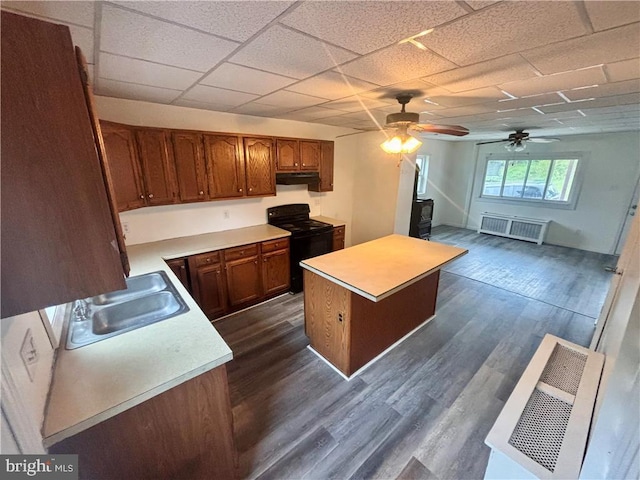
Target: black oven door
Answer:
[[304, 247]]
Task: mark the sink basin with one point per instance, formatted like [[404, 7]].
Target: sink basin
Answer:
[[147, 299], [136, 287]]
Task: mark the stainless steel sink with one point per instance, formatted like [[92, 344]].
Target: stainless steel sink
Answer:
[[147, 299]]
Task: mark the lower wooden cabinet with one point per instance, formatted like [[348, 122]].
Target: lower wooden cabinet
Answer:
[[338, 238], [179, 267], [185, 432], [235, 278]]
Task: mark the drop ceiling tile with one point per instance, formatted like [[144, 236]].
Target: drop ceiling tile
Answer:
[[237, 20], [468, 110], [603, 47], [492, 72], [470, 97], [115, 67], [372, 116], [364, 26], [625, 70], [311, 113], [260, 110], [245, 79], [503, 29], [580, 105], [419, 88], [77, 13], [479, 4], [337, 121], [396, 64], [556, 82], [285, 52], [127, 33], [217, 107], [83, 38], [355, 104], [532, 101], [605, 15], [112, 88], [606, 90], [331, 85], [291, 99], [215, 95]]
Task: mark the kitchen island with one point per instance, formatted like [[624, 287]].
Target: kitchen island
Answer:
[[360, 301]]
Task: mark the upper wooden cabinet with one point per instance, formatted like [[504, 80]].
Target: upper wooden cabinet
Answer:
[[191, 174], [122, 156], [225, 166], [309, 155], [326, 168], [157, 165], [58, 238], [259, 166], [287, 155]]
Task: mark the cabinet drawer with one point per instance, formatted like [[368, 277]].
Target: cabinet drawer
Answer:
[[241, 252], [338, 231], [206, 259], [273, 245]]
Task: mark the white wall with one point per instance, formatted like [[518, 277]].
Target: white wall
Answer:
[[157, 223], [24, 398], [611, 169]]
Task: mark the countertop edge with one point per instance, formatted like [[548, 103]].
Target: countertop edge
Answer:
[[330, 220], [133, 402]]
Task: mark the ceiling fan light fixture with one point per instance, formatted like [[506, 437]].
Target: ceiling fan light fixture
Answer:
[[517, 146], [401, 143]]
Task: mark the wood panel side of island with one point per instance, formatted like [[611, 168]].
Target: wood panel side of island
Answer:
[[327, 308], [375, 326]]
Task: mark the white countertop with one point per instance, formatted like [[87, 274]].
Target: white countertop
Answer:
[[332, 221], [381, 267], [98, 381]]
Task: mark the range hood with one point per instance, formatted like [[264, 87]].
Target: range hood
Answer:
[[297, 178]]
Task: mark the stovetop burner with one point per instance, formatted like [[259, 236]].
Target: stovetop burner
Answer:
[[295, 218]]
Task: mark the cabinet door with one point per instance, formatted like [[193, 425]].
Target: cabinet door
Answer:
[[122, 157], [191, 173], [57, 228], [157, 166], [275, 272], [225, 166], [287, 155], [259, 165], [209, 289], [243, 281], [326, 169], [309, 155], [179, 267], [338, 238]]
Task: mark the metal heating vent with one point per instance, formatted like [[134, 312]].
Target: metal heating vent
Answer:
[[527, 230], [564, 369], [496, 225], [530, 229], [540, 431]]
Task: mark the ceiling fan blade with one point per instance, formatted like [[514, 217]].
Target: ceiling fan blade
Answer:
[[455, 130], [494, 141], [542, 140]]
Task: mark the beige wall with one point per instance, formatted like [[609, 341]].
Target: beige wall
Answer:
[[157, 223]]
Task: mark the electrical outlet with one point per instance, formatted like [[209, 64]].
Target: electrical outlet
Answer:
[[226, 214], [125, 227], [29, 354]]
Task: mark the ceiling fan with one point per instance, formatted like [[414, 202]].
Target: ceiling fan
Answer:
[[403, 121], [517, 141]]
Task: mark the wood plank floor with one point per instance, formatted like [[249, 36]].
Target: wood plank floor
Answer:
[[420, 412]]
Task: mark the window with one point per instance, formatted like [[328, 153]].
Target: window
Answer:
[[541, 180], [422, 162]]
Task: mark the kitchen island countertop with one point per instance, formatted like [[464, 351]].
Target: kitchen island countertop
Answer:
[[98, 381]]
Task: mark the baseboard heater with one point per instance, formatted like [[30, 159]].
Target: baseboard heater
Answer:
[[520, 228], [543, 428]]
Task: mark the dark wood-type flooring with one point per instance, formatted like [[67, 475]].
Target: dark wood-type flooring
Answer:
[[423, 410]]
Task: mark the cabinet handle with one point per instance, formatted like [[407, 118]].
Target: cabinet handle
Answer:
[[142, 197], [217, 272], [182, 267], [264, 259], [201, 192], [208, 260], [295, 164], [240, 190], [304, 164], [250, 189], [255, 261], [151, 195]]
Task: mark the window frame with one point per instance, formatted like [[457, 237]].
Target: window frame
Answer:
[[569, 204], [422, 175]]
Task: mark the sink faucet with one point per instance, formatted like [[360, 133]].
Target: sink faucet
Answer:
[[81, 310]]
